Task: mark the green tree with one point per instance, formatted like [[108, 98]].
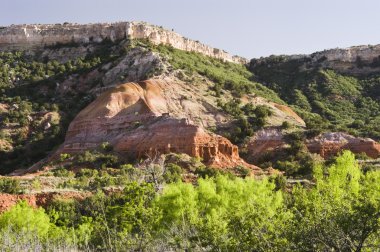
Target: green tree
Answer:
[[341, 212], [22, 218], [224, 214]]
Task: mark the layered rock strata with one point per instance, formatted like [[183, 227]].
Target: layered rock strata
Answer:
[[326, 145], [264, 142], [329, 144], [27, 36], [356, 60], [134, 118]]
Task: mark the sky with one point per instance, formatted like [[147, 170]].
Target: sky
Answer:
[[249, 28]]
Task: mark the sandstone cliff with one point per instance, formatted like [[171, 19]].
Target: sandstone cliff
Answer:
[[329, 144], [356, 60], [264, 142], [138, 119], [29, 36], [326, 145]]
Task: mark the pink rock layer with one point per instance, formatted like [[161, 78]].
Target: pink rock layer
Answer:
[[134, 119]]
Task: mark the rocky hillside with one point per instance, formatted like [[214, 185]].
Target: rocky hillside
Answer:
[[340, 85], [142, 90]]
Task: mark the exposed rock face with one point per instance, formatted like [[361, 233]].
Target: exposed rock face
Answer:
[[290, 113], [329, 144], [26, 36], [366, 53], [137, 120], [265, 141], [356, 60]]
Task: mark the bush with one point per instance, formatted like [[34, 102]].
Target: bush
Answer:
[[23, 217], [62, 172], [173, 173], [88, 173], [286, 125], [11, 186], [242, 171], [206, 172]]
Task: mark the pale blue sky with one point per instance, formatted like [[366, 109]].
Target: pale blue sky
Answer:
[[250, 28]]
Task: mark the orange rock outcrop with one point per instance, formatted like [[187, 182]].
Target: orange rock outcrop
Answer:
[[326, 145], [134, 119], [265, 141], [330, 144]]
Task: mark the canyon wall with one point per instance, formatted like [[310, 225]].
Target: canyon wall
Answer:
[[28, 36], [366, 53], [330, 144], [136, 119], [356, 60], [327, 144]]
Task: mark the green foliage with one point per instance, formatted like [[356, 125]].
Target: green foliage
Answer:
[[135, 215], [339, 210], [325, 99], [295, 160], [64, 156], [106, 147], [249, 119], [23, 218], [98, 159], [226, 75], [242, 171], [11, 186], [62, 172], [206, 172], [339, 213], [173, 173], [219, 211]]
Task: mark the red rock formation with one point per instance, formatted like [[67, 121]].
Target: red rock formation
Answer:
[[270, 140], [265, 141], [329, 144], [134, 119]]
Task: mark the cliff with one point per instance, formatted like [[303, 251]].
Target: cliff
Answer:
[[272, 140], [330, 144], [29, 36], [139, 120], [356, 60]]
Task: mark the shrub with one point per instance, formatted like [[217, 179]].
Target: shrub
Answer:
[[242, 171], [62, 172], [11, 186], [286, 125], [88, 173], [173, 173], [23, 217]]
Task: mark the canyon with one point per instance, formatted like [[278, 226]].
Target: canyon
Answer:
[[146, 106]]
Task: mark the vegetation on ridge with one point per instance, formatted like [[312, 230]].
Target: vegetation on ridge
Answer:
[[325, 99]]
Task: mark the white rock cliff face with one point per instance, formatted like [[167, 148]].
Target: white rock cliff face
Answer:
[[351, 54], [27, 36]]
